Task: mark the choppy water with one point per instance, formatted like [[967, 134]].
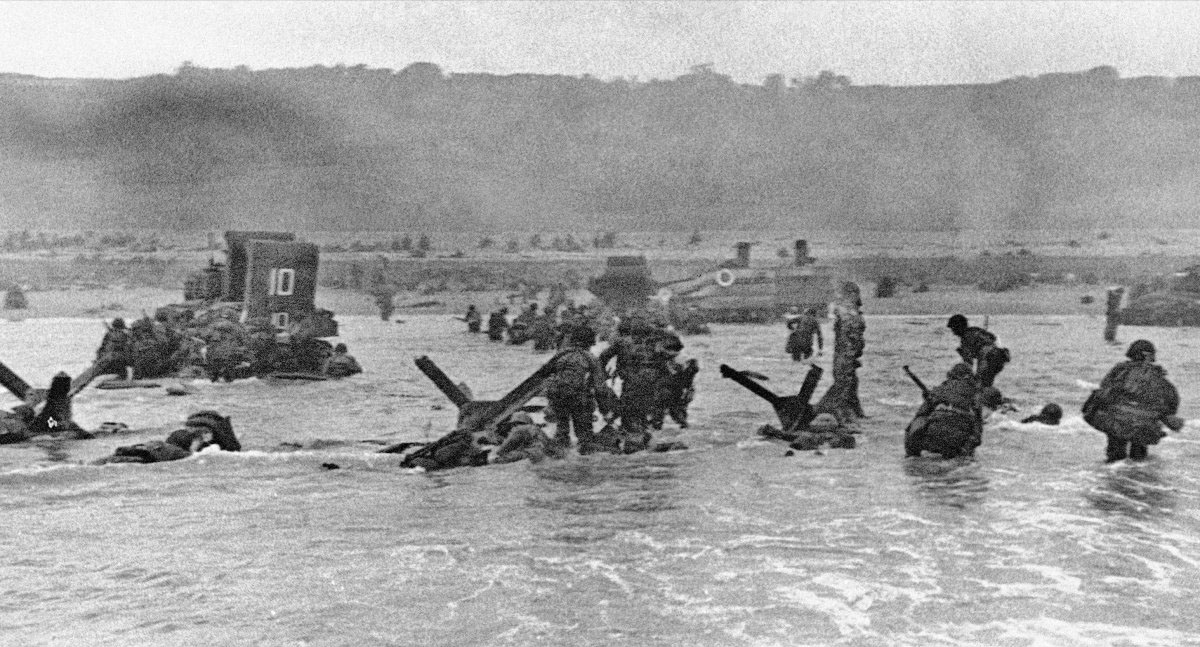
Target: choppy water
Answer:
[[728, 543]]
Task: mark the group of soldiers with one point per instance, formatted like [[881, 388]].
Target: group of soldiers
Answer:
[[642, 356], [1133, 405], [548, 329], [215, 344]]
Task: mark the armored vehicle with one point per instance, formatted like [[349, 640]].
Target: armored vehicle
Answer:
[[735, 292], [625, 283]]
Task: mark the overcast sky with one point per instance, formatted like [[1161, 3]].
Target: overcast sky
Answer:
[[895, 43]]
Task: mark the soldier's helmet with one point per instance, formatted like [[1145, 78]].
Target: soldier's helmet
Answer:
[[990, 397], [1138, 349], [825, 422], [957, 322], [1051, 412]]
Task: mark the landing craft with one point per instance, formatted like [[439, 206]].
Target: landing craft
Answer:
[[1177, 303], [734, 292], [254, 315], [267, 275]]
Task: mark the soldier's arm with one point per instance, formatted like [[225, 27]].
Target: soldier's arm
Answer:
[[820, 339], [608, 354], [598, 375]]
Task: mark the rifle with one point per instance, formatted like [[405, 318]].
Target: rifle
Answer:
[[916, 380]]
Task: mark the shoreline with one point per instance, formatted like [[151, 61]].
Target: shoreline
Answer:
[[132, 303]]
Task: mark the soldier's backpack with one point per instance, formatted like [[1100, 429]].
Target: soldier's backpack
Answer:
[[572, 375]]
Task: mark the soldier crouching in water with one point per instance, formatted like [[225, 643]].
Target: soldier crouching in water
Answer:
[[341, 363], [574, 388], [521, 439], [950, 421], [1132, 404]]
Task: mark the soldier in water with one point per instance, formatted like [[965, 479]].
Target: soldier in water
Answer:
[[574, 388], [673, 388], [341, 363], [497, 324], [848, 330], [201, 429], [950, 421], [115, 352], [473, 319], [800, 340], [638, 371], [1133, 403], [978, 347]]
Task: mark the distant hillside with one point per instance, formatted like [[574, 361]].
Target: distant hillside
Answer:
[[355, 148]]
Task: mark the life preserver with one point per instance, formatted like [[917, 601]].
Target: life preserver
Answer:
[[725, 278]]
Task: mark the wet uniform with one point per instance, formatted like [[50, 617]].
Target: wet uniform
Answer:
[[526, 441], [948, 422], [571, 390], [1130, 407], [673, 390], [979, 345], [497, 324], [842, 397], [341, 365], [800, 340], [114, 352], [639, 370], [474, 320]]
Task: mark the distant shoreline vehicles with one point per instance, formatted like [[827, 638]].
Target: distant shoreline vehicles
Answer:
[[734, 292], [1172, 301]]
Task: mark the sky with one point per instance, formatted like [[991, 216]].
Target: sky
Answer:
[[892, 43]]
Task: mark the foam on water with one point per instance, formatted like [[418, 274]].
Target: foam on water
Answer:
[[1035, 542]]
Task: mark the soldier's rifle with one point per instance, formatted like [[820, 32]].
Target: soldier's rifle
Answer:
[[916, 380]]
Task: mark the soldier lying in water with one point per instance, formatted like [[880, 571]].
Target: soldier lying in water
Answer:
[[201, 430], [824, 429]]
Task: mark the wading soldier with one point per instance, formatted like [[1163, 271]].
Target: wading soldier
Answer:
[[848, 328], [800, 341], [497, 324], [573, 389], [977, 347], [1133, 403]]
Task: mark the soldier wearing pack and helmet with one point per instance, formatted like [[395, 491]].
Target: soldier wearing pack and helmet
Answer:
[[575, 388], [1133, 403], [950, 421]]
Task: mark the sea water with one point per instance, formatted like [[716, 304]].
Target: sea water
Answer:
[[730, 542]]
